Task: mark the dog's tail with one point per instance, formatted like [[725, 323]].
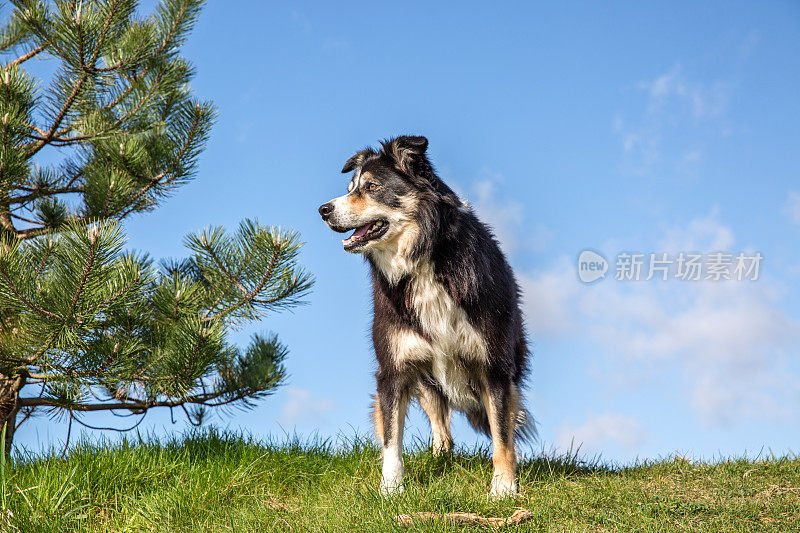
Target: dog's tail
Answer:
[[377, 419], [524, 428]]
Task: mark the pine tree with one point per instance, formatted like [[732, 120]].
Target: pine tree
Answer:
[[111, 131]]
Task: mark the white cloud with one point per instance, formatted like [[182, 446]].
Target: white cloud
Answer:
[[601, 431], [505, 216], [549, 299], [705, 233], [300, 21], [539, 237], [690, 162], [303, 406], [336, 45], [675, 106], [792, 207], [672, 89], [640, 141], [749, 43], [731, 342]]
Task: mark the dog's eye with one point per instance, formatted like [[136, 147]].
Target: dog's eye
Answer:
[[372, 186]]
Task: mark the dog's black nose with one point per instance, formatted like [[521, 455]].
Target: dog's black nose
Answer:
[[325, 210]]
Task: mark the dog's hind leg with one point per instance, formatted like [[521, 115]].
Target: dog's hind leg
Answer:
[[393, 402], [502, 404], [436, 406]]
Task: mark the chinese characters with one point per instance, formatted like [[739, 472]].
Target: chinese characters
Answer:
[[714, 266]]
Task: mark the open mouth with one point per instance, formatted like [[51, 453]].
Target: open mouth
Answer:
[[363, 234]]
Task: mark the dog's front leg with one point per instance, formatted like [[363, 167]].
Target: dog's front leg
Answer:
[[393, 401]]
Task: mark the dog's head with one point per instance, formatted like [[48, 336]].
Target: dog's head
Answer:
[[383, 194]]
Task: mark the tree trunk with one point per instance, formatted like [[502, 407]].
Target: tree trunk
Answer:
[[9, 405], [9, 385]]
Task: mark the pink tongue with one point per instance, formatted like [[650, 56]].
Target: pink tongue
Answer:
[[360, 232]]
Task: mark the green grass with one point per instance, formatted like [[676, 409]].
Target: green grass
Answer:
[[214, 482]]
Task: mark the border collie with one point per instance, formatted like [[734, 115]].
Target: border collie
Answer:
[[447, 327]]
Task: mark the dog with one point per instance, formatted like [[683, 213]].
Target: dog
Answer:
[[447, 327]]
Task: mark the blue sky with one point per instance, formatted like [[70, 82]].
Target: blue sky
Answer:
[[635, 127]]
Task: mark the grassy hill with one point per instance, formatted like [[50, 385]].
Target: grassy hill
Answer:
[[213, 482]]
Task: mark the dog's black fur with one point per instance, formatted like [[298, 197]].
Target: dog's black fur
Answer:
[[466, 261]]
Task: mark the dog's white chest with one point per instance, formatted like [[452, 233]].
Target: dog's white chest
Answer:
[[451, 340]]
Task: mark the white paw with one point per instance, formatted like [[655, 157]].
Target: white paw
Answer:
[[502, 488], [439, 449], [392, 471], [391, 486]]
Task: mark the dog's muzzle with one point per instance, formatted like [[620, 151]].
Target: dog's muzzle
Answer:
[[364, 234], [325, 210]]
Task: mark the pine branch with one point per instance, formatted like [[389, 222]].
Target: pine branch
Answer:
[[29, 233], [77, 86], [36, 129], [146, 70], [59, 140], [86, 270], [24, 57], [93, 328], [225, 271], [156, 180], [23, 219], [35, 194], [131, 84], [247, 297], [10, 284], [59, 117], [135, 404]]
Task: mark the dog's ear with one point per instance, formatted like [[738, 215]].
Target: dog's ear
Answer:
[[357, 160], [406, 150]]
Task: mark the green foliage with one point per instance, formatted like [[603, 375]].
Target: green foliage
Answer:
[[85, 326], [118, 107], [221, 482], [94, 326]]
